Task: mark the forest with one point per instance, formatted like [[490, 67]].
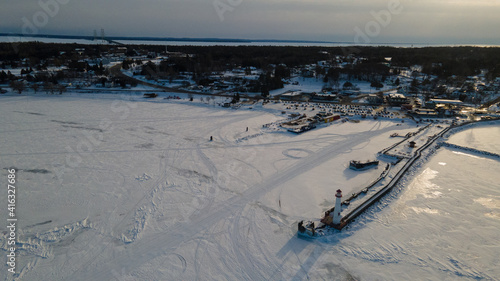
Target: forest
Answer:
[[443, 62]]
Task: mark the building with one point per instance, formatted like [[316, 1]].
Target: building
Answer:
[[338, 208], [434, 103], [324, 97], [291, 96], [397, 99], [422, 112], [407, 107], [331, 118], [375, 99]]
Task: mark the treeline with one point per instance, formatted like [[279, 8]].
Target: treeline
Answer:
[[441, 61], [256, 56]]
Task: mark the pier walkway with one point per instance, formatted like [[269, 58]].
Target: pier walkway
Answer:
[[470, 149], [358, 210]]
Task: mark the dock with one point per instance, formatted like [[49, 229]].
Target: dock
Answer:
[[409, 159], [358, 210]]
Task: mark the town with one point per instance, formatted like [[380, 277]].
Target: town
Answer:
[[362, 81]]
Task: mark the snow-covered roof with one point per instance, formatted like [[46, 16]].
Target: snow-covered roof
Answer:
[[444, 101]]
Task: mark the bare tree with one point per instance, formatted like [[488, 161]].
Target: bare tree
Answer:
[[35, 87], [61, 89], [17, 86], [48, 87]]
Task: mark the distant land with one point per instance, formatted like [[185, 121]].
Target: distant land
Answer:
[[163, 38], [133, 40]]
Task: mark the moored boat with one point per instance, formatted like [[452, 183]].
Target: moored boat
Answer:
[[358, 165]]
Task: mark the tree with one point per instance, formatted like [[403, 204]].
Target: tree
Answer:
[[319, 71], [149, 70], [61, 89], [265, 92], [30, 78], [236, 98], [281, 71], [334, 74], [441, 90], [17, 86], [126, 64], [35, 87], [347, 85], [414, 84], [3, 76], [376, 84], [48, 87]]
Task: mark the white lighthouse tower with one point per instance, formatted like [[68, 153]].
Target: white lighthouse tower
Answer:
[[338, 208]]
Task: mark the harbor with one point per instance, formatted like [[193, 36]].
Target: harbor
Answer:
[[404, 154]]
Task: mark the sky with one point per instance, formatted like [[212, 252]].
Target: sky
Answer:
[[359, 21]]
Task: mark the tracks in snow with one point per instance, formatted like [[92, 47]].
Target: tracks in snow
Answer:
[[154, 244]]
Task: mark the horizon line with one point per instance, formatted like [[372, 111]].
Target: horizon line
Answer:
[[225, 40]]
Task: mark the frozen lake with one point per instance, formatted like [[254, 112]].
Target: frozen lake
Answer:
[[442, 224], [124, 188], [14, 39]]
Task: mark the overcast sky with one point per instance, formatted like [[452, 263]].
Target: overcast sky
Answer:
[[406, 21]]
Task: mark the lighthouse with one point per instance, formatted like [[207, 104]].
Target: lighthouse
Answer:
[[338, 208]]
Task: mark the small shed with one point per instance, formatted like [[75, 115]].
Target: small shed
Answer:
[[413, 144]]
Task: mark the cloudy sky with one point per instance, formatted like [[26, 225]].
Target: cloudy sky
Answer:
[[362, 21]]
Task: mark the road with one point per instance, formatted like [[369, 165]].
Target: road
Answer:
[[115, 71]]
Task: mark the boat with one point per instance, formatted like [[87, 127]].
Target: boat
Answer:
[[309, 229], [359, 166], [302, 129]]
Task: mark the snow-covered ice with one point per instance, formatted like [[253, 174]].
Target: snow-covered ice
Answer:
[[117, 187]]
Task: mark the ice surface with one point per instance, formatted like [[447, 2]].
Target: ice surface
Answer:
[[117, 187]]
